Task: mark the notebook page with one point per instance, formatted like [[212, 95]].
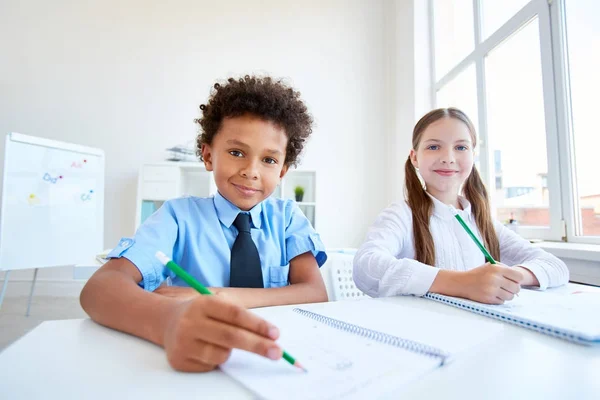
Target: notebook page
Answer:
[[451, 333], [576, 311], [340, 365]]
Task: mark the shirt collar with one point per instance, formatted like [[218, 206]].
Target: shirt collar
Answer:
[[445, 211], [228, 212]]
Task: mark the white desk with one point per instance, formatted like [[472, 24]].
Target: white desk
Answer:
[[77, 359]]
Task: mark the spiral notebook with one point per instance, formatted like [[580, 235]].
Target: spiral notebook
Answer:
[[562, 312], [355, 349]]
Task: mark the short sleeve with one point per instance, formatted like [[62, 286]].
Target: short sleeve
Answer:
[[300, 237], [157, 233]]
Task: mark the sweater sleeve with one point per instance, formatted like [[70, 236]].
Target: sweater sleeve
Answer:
[[549, 270], [378, 270]]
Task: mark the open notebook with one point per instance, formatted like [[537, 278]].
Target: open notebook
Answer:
[[567, 314], [354, 349]]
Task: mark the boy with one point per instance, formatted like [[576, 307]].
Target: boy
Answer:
[[246, 245]]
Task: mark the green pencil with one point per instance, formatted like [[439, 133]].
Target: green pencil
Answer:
[[190, 280], [487, 255]]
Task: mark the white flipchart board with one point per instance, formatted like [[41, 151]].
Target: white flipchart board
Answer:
[[52, 203]]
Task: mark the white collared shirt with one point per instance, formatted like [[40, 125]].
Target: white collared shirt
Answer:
[[385, 266]]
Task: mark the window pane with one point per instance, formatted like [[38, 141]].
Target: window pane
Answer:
[[495, 13], [583, 42], [461, 92], [453, 33], [517, 130]]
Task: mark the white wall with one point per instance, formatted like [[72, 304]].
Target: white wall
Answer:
[[410, 82], [128, 76]]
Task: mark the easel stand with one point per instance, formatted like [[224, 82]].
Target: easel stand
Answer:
[[5, 285]]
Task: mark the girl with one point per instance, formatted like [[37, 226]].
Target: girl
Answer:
[[418, 246]]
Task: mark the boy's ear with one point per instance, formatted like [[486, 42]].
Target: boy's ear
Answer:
[[284, 171], [207, 156], [413, 158]]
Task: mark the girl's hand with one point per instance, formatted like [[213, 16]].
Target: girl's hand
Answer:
[[530, 278], [492, 283]]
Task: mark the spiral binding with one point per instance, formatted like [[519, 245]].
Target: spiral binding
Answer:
[[377, 336], [535, 326]]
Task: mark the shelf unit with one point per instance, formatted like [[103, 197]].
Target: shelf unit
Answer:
[[306, 179], [158, 182]]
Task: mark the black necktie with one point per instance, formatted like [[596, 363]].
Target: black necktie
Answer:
[[245, 262]]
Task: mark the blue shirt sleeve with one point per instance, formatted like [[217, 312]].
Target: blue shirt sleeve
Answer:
[[158, 232], [300, 237]]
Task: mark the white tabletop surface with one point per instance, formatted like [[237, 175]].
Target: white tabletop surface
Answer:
[[79, 359]]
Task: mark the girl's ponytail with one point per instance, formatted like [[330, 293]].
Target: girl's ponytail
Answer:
[[421, 205], [475, 191]]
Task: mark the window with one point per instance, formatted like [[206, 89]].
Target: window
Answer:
[[494, 13], [516, 126], [525, 73], [583, 46], [461, 90], [453, 23]]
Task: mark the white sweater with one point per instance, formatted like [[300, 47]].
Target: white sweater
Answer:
[[385, 266]]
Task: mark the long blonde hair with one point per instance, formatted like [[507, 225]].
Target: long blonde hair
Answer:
[[422, 206]]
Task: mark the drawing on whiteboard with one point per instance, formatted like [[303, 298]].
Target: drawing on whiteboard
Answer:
[[33, 200], [49, 178], [78, 164], [42, 193], [87, 196]]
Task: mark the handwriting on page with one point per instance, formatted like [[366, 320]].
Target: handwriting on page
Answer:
[[339, 364], [321, 356]]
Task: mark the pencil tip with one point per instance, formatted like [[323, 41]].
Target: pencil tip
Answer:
[[298, 365]]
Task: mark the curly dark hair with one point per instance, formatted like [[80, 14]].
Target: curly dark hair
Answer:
[[264, 97]]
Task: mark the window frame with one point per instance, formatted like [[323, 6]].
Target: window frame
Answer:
[[565, 220], [571, 207]]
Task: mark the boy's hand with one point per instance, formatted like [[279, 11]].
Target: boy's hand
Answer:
[[183, 293], [201, 332], [188, 293], [492, 283], [228, 294]]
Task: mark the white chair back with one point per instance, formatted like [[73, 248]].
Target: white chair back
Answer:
[[337, 274]]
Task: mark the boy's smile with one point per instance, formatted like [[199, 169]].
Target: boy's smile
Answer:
[[246, 191], [247, 157]]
